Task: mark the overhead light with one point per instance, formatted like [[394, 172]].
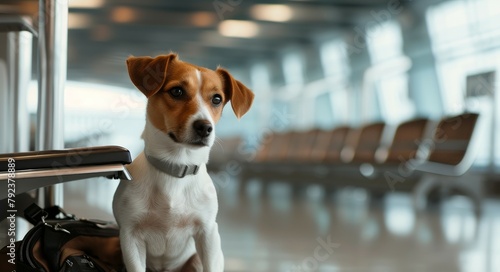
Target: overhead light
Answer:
[[123, 15], [239, 29], [85, 4], [273, 13], [202, 19], [78, 20]]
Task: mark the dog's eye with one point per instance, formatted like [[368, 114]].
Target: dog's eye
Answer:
[[176, 92], [216, 99]]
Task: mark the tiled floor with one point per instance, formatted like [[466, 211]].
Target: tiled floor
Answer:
[[282, 229]]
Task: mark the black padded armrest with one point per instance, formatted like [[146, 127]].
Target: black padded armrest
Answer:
[[67, 158], [16, 23]]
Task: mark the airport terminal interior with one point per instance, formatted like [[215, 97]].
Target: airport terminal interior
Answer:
[[372, 144]]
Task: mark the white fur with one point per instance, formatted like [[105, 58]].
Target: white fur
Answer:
[[198, 76], [193, 196]]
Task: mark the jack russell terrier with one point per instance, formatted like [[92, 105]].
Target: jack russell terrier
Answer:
[[167, 213]]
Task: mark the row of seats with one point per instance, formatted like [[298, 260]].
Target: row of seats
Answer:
[[419, 156], [444, 142]]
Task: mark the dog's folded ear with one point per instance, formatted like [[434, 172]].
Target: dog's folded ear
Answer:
[[149, 74], [241, 97]]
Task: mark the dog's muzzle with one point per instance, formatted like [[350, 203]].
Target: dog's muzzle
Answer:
[[202, 130]]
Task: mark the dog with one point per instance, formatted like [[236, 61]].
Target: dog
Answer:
[[167, 214]]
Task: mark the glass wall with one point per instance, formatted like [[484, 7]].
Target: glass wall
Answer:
[[466, 41], [326, 84]]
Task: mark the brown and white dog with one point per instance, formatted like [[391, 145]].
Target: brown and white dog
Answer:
[[167, 213]]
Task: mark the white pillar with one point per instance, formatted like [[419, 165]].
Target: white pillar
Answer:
[[5, 118]]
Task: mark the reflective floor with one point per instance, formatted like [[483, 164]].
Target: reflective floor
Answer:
[[281, 228], [346, 231]]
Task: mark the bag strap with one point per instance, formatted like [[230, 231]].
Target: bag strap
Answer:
[[34, 214], [56, 212], [54, 238]]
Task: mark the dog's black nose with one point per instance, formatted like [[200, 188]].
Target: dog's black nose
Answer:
[[203, 128]]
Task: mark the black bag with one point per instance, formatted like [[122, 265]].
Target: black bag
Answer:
[[59, 242]]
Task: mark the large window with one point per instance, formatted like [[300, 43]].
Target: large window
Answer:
[[337, 101], [386, 81], [465, 39], [116, 118]]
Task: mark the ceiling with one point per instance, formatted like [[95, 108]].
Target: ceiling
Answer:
[[103, 33]]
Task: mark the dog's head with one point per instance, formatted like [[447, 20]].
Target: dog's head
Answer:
[[184, 100]]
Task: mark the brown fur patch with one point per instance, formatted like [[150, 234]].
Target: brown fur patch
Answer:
[[212, 85], [241, 97]]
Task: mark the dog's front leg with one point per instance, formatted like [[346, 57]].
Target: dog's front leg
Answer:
[[209, 248], [134, 252]]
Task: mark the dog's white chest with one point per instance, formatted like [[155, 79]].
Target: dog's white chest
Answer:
[[170, 205], [163, 212], [166, 215], [167, 227]]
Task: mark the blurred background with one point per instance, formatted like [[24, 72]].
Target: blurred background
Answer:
[[362, 150]]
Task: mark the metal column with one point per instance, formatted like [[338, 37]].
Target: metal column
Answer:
[[19, 63], [53, 42]]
